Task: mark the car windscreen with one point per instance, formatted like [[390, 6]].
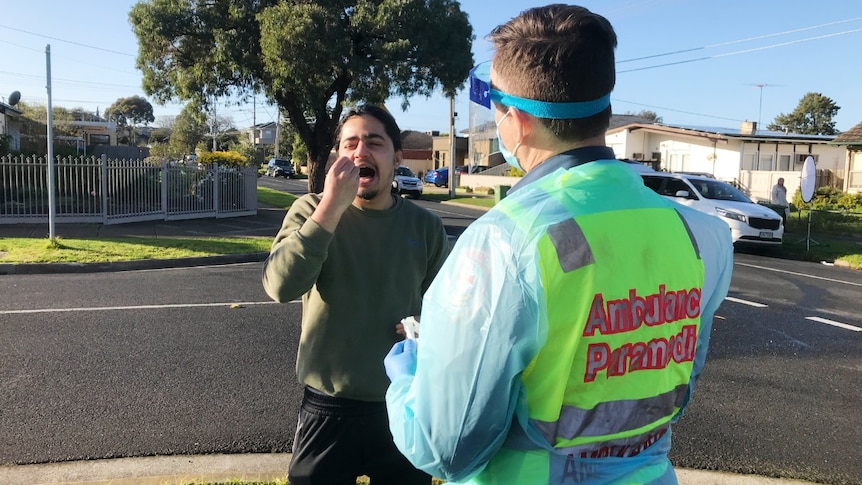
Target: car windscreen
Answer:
[[404, 171], [717, 190]]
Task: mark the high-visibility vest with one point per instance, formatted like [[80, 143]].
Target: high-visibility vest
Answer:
[[622, 288]]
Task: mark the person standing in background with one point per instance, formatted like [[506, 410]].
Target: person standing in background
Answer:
[[779, 197]]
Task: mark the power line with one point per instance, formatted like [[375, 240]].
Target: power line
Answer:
[[67, 41], [746, 51], [674, 110], [739, 41]]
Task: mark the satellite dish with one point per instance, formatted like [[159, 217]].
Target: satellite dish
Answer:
[[808, 179], [14, 98]]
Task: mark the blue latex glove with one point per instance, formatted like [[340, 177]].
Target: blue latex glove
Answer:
[[401, 359]]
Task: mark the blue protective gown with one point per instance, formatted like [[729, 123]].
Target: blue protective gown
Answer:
[[481, 325]]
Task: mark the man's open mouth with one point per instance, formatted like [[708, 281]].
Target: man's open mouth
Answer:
[[366, 172]]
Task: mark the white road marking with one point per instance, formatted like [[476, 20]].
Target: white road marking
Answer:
[[746, 302], [138, 307], [800, 274], [834, 323]]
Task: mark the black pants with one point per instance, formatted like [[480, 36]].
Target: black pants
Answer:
[[338, 440]]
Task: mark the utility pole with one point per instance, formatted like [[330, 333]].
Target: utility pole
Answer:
[[52, 209], [214, 126], [452, 146], [254, 126]]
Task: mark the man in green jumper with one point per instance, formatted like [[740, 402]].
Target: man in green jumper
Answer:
[[361, 258]]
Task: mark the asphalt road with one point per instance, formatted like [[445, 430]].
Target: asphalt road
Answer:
[[198, 360]]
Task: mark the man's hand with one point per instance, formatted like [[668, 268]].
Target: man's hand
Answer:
[[401, 360], [342, 183]]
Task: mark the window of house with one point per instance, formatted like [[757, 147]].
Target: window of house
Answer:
[[100, 139], [800, 160], [856, 171], [765, 162], [784, 163], [748, 161]]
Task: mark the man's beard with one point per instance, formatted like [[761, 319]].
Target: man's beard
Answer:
[[368, 194]]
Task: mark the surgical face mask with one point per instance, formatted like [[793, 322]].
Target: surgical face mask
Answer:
[[508, 156]]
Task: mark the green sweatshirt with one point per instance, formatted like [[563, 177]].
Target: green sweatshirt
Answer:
[[356, 285]]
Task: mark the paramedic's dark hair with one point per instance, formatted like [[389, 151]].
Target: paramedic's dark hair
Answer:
[[558, 53]]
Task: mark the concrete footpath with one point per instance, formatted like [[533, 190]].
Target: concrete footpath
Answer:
[[184, 469]]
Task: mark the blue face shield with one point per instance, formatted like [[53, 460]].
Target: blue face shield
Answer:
[[482, 94]]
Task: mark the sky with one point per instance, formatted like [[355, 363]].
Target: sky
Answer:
[[693, 62]]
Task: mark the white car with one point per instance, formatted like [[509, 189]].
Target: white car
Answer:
[[749, 223], [406, 182]]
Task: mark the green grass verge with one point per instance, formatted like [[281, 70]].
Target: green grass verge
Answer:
[[109, 250], [28, 250], [834, 237], [275, 198]]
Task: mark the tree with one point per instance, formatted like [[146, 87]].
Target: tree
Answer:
[[307, 57], [218, 127], [813, 116], [130, 112], [188, 130], [647, 114], [62, 118]]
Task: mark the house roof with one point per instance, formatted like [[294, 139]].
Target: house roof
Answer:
[[623, 120], [416, 140], [719, 133], [5, 108], [853, 136]]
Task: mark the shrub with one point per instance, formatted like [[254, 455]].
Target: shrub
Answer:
[[829, 198], [514, 172], [224, 159]]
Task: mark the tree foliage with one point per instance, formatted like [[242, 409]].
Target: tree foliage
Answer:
[[188, 131], [130, 112], [813, 116], [650, 115], [307, 57], [62, 118]]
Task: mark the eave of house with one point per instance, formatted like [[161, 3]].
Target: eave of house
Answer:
[[715, 136]]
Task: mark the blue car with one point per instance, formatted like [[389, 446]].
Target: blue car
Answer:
[[439, 177]]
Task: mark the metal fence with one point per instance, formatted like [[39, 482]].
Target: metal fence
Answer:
[[90, 189]]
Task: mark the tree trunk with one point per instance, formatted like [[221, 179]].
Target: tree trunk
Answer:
[[317, 172]]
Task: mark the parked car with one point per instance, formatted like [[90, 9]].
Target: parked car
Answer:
[[280, 167], [439, 177], [406, 182], [749, 223]]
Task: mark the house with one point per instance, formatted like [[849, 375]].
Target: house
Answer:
[[10, 126], [750, 158], [416, 150], [442, 148], [262, 134], [96, 133], [852, 141]]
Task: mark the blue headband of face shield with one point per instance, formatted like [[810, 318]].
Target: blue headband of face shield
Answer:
[[481, 93]]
